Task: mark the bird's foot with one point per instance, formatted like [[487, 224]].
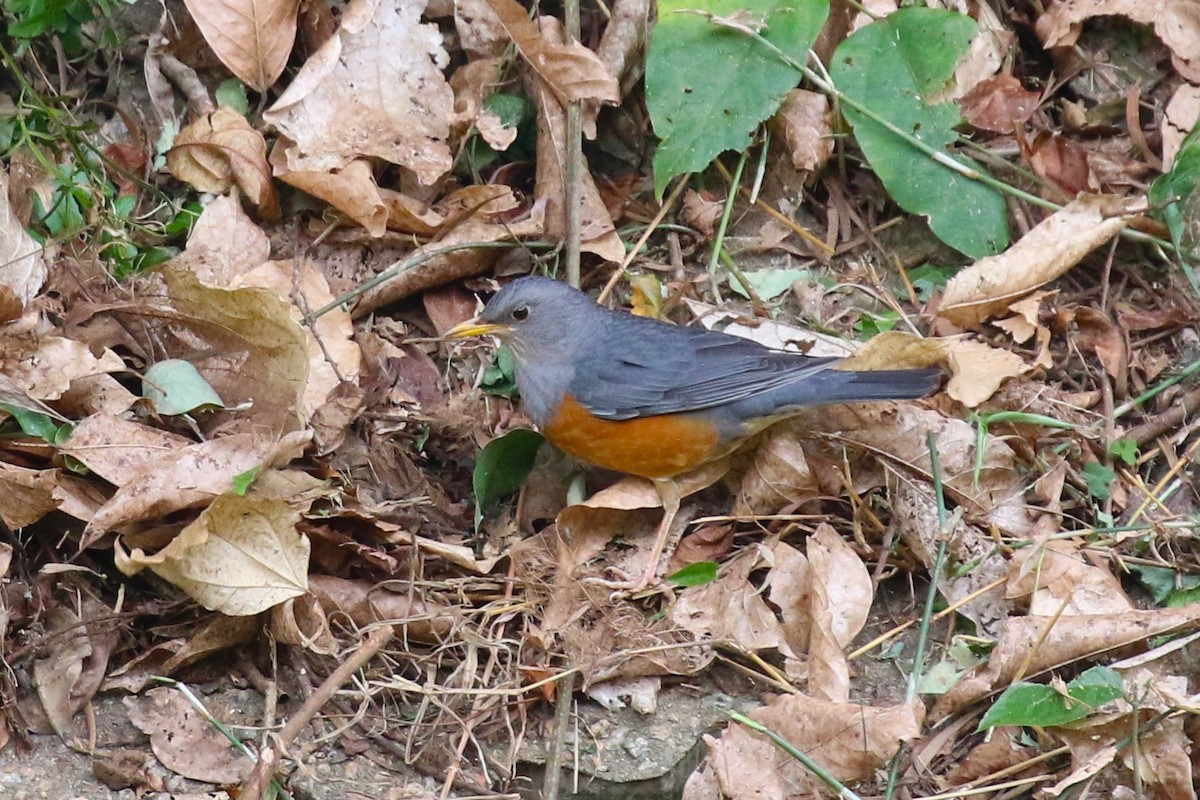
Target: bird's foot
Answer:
[[627, 588]]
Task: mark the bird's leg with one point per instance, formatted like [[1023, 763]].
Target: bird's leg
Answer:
[[669, 492]]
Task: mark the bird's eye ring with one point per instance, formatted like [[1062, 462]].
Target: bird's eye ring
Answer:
[[520, 313]]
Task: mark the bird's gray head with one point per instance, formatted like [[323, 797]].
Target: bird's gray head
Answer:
[[542, 320]]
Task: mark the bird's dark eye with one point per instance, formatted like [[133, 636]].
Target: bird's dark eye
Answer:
[[520, 313]]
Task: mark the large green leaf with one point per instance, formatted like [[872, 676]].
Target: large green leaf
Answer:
[[501, 467], [896, 67], [709, 87], [1040, 706]]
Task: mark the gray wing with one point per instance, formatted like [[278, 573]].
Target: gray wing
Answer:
[[643, 368]]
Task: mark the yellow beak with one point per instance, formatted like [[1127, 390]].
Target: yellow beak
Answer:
[[475, 327]]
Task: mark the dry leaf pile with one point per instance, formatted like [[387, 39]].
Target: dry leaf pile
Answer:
[[319, 509]]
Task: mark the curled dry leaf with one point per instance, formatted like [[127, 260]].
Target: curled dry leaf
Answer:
[[253, 38], [571, 71], [841, 597], [220, 151], [597, 234], [241, 556], [1174, 21], [22, 266], [999, 104], [56, 673], [1055, 245], [803, 122], [375, 88], [255, 356]]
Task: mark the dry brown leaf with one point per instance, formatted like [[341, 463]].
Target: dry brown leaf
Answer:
[[22, 262], [57, 672], [1098, 333], [1179, 117], [1055, 245], [482, 34], [1030, 645], [1174, 21], [223, 244], [212, 635], [255, 354], [597, 234], [851, 741], [241, 556], [999, 104], [896, 350], [803, 123], [184, 741], [159, 473], [367, 603], [26, 495], [1055, 579], [1063, 162], [571, 71], [301, 622], [444, 268], [375, 88], [350, 189], [335, 357], [220, 151], [788, 590], [977, 369], [915, 517], [779, 475], [841, 597], [43, 367], [731, 608], [252, 37]]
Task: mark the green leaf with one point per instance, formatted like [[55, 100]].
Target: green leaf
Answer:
[[1038, 706], [1160, 581], [232, 94], [893, 66], [502, 467], [1171, 192], [708, 87], [697, 574], [500, 376], [1125, 449], [1099, 479], [176, 387], [33, 423], [870, 325], [929, 278], [244, 480], [769, 283]]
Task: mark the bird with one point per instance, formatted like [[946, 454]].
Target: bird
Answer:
[[649, 398]]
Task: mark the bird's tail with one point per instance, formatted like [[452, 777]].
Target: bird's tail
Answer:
[[842, 386], [838, 386]]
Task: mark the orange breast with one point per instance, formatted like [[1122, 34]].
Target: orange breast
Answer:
[[652, 447]]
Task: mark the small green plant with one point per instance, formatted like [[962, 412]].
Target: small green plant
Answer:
[[1037, 705], [29, 20], [499, 378]]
